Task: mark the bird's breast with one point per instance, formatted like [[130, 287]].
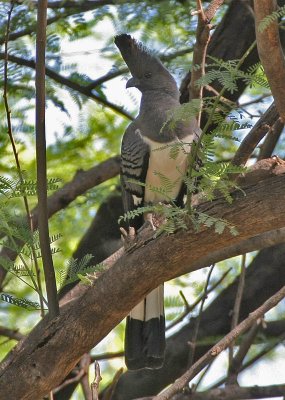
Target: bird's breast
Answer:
[[167, 165]]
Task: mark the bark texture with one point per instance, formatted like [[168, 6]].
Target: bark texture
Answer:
[[53, 348], [266, 271], [269, 49]]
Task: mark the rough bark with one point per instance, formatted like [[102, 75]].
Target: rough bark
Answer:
[[53, 348], [269, 48], [266, 271]]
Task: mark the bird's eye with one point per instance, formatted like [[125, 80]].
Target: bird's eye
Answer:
[[147, 75]]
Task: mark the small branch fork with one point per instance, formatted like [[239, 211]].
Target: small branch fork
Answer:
[[224, 343], [190, 307], [95, 384], [200, 48]]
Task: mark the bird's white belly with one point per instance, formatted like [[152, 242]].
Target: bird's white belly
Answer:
[[161, 165]]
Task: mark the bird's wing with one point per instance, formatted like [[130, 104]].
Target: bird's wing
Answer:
[[134, 165]]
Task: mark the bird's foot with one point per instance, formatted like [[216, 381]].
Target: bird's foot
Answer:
[[156, 220], [128, 237]]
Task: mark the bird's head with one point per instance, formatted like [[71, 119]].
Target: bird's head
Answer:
[[148, 73]]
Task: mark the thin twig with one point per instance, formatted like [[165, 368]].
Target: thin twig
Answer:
[[221, 345], [194, 149], [95, 384], [69, 381], [236, 362], [269, 347], [11, 333], [189, 308], [80, 371], [37, 286], [107, 356], [233, 392], [255, 135], [198, 320], [107, 395], [200, 51], [49, 273], [254, 101], [120, 71], [237, 304], [69, 83], [84, 381]]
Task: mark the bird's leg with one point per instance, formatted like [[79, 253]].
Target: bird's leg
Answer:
[[154, 219], [148, 218]]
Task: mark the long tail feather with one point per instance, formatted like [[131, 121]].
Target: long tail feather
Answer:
[[145, 333]]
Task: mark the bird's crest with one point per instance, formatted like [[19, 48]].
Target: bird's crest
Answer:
[[138, 57]]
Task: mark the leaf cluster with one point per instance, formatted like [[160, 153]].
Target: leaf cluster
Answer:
[[276, 15], [227, 75], [20, 302], [78, 270]]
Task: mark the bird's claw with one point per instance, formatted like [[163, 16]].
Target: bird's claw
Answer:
[[128, 237]]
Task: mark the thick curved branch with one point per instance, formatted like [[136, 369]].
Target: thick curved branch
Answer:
[[270, 51], [82, 181], [48, 354], [215, 323]]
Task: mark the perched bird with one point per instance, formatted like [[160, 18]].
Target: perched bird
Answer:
[[145, 158]]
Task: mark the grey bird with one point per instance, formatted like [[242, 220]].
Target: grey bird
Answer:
[[145, 158]]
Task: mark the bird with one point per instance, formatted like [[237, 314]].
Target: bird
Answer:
[[145, 159]]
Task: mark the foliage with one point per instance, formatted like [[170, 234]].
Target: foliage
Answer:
[[206, 178], [95, 134], [77, 269], [271, 18]]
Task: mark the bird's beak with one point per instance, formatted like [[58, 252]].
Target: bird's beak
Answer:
[[133, 82]]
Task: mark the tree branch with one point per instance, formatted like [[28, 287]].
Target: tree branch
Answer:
[[255, 135], [69, 83], [269, 49], [221, 346], [114, 74], [234, 392], [200, 48], [215, 323], [236, 362], [11, 333], [82, 181], [41, 368], [271, 140], [48, 267]]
